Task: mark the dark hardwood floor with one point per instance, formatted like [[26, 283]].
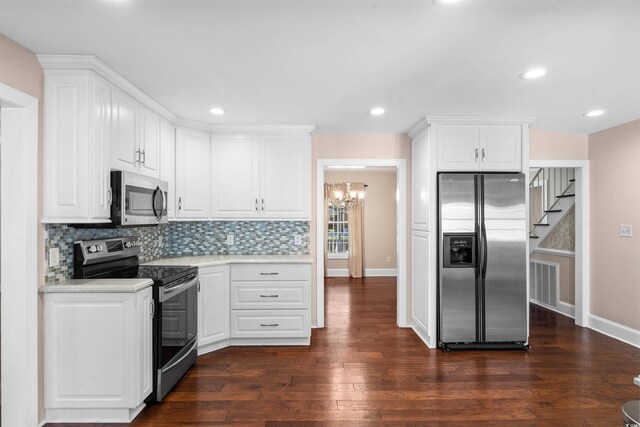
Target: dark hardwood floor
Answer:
[[362, 370]]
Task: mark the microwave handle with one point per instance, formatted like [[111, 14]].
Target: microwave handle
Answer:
[[157, 214]]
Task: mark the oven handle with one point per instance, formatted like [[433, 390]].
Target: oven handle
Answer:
[[186, 353], [170, 293]]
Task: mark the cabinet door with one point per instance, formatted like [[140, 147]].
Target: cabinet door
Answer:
[[420, 182], [235, 176], [193, 174], [420, 279], [285, 166], [168, 163], [144, 341], [213, 305], [457, 148], [149, 143], [99, 149], [501, 148], [66, 144], [124, 132]]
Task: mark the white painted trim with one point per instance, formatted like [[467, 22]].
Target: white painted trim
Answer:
[[339, 255], [289, 129], [615, 330], [401, 231], [563, 308], [337, 272], [582, 273], [558, 252], [19, 370], [481, 120], [380, 272]]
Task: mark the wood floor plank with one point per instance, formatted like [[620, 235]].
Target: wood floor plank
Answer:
[[361, 370]]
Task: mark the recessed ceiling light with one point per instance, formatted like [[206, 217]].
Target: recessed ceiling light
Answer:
[[377, 111], [217, 111], [594, 113], [534, 73], [445, 2]]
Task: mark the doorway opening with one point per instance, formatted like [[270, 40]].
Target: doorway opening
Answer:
[[325, 173], [578, 189]]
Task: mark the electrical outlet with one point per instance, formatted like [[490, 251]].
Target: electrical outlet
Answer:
[[160, 241], [626, 230], [230, 240], [388, 259], [54, 257], [297, 240]]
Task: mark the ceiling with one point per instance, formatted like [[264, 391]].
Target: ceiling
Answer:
[[328, 62]]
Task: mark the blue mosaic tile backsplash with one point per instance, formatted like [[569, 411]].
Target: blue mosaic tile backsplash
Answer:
[[183, 238]]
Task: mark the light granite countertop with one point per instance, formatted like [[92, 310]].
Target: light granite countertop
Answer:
[[97, 286], [211, 260]]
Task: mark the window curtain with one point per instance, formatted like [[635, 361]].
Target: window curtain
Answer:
[[327, 195], [355, 219]]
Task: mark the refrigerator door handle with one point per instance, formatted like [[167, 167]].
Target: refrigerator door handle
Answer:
[[485, 250]]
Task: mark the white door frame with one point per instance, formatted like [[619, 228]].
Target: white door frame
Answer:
[[583, 286], [19, 228], [401, 230]]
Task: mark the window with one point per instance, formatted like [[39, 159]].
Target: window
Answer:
[[338, 233]]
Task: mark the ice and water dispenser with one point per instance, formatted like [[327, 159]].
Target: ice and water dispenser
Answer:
[[459, 250]]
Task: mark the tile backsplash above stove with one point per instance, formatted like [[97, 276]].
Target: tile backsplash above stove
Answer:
[[183, 238]]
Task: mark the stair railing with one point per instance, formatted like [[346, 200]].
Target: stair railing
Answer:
[[546, 188]]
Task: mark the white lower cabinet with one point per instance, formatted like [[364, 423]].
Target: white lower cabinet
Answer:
[[213, 308], [98, 355], [271, 301], [420, 282]]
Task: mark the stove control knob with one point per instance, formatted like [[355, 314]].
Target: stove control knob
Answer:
[[92, 249], [137, 242], [127, 245], [99, 248]]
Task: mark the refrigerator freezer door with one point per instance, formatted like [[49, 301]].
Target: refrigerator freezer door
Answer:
[[457, 298], [505, 289]]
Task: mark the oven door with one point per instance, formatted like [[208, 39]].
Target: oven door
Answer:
[[176, 334]]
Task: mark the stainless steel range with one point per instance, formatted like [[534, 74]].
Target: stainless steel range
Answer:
[[175, 293]]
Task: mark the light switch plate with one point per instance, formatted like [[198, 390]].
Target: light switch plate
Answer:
[[297, 240], [230, 240], [626, 230], [54, 257], [388, 259]]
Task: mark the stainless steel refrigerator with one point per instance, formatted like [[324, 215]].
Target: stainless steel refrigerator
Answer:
[[482, 289]]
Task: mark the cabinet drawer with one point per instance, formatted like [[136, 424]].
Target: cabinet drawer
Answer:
[[270, 324], [271, 272], [258, 295]]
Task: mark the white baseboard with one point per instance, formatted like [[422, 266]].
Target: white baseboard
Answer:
[[337, 272], [562, 308], [421, 331], [615, 330], [368, 272]]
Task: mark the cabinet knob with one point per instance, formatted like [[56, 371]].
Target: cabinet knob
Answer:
[[138, 155], [476, 154], [262, 205], [143, 156], [483, 155], [256, 204], [179, 203]]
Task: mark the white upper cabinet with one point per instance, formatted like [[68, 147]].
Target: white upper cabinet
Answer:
[[420, 182], [261, 176], [77, 114], [236, 179], [168, 163], [193, 174], [285, 176], [135, 137], [479, 147]]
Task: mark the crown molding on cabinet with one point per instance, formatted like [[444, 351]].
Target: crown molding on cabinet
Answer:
[[90, 62], [426, 121], [218, 129]]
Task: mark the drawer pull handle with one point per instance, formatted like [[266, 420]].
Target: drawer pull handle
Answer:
[[273, 273], [269, 296], [269, 324]]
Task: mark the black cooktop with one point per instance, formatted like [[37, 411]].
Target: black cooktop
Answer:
[[165, 274]]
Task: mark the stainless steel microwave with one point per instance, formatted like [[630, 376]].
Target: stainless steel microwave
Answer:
[[137, 200]]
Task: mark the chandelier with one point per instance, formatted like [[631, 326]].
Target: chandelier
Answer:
[[347, 194]]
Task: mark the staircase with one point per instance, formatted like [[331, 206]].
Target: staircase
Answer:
[[551, 194]]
